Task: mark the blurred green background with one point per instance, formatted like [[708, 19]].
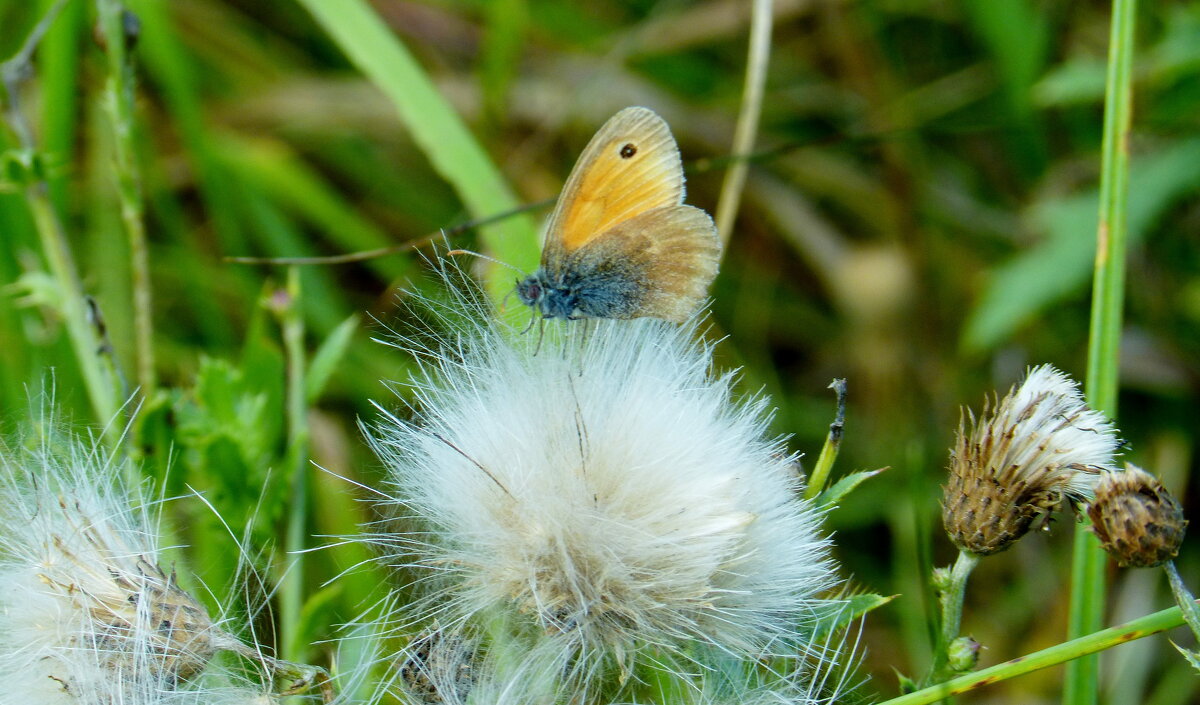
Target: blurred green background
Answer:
[[919, 218]]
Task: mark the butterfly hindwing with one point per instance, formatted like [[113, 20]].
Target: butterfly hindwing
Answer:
[[658, 264]]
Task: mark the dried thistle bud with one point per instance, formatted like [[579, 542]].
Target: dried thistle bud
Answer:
[[1028, 452], [437, 667], [139, 616], [1136, 518]]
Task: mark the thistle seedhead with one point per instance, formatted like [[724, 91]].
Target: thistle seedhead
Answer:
[[1025, 455], [1136, 519], [605, 499], [87, 613]]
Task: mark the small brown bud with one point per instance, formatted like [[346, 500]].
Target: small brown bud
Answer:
[[1136, 518]]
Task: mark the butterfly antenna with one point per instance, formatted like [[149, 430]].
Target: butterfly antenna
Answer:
[[490, 259]]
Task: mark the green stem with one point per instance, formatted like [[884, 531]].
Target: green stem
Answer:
[[1183, 598], [1087, 570], [292, 587], [833, 443], [951, 600], [116, 26], [747, 123], [1068, 651], [98, 377]]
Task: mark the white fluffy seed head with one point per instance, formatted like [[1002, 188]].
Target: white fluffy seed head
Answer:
[[603, 493], [1041, 444], [87, 615]]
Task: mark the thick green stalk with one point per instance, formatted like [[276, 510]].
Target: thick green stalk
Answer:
[[120, 33], [1108, 288], [292, 587], [1060, 653], [747, 124]]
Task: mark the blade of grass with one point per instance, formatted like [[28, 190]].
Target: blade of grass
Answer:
[[434, 125], [58, 64], [1087, 568]]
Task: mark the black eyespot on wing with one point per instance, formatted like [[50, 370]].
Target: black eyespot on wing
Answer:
[[628, 150]]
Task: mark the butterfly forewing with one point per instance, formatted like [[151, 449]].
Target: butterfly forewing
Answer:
[[630, 167]]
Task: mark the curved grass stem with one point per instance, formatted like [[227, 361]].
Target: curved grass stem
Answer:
[[747, 123]]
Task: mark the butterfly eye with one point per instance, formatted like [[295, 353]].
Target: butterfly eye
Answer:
[[628, 150]]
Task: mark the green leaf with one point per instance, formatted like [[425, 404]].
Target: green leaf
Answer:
[[845, 486], [1193, 657], [853, 607], [315, 613], [1074, 82], [1061, 265], [907, 685], [327, 358]]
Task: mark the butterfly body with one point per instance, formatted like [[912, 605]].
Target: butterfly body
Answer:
[[621, 243]]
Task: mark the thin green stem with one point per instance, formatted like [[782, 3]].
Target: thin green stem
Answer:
[[747, 123], [951, 601], [119, 29], [292, 587], [1087, 576], [833, 443], [1068, 651]]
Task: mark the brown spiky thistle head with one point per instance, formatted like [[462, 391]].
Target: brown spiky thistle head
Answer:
[[1136, 519], [1015, 464]]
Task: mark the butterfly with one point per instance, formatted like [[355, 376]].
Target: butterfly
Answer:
[[621, 243]]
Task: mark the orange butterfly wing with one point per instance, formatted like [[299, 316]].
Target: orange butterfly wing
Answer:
[[631, 166]]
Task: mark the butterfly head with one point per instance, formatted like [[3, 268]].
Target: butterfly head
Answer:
[[531, 290], [549, 300]]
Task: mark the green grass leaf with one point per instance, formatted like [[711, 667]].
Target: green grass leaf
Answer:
[[435, 126]]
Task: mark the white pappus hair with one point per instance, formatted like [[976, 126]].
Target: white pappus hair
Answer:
[[602, 493]]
